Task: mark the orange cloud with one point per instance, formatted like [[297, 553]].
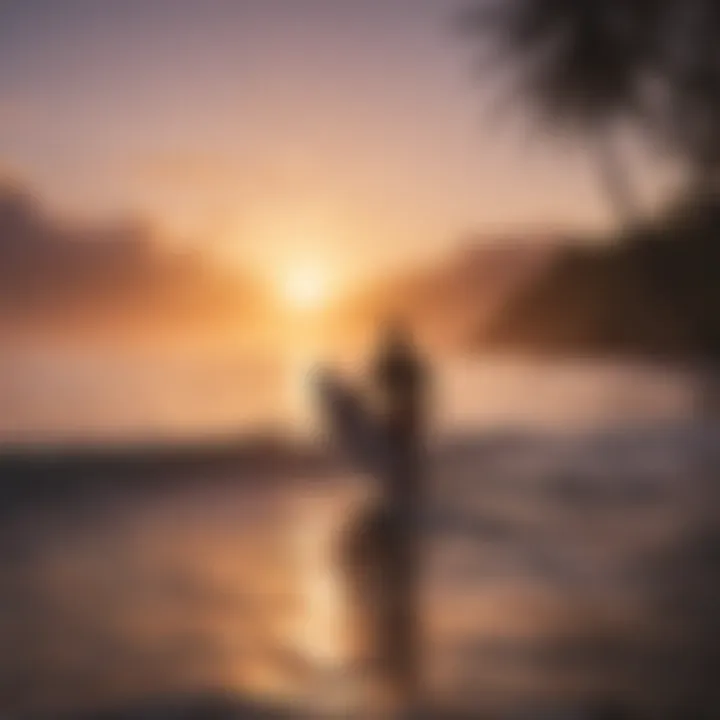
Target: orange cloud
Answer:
[[55, 276]]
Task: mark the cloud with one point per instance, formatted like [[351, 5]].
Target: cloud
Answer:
[[117, 277]]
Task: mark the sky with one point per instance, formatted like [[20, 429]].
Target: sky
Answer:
[[349, 134]]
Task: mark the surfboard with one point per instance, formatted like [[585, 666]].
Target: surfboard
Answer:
[[351, 425]]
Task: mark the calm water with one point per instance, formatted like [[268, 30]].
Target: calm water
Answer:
[[80, 398], [571, 546]]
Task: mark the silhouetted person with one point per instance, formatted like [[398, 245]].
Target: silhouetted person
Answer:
[[399, 377], [381, 551]]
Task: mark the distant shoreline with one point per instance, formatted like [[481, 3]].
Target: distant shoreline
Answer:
[[31, 475]]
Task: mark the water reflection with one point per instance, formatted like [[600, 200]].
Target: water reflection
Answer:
[[195, 588], [561, 570], [544, 579]]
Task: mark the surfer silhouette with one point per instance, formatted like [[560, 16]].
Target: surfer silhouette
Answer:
[[399, 380], [380, 548]]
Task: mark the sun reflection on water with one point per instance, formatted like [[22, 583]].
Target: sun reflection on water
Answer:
[[318, 627]]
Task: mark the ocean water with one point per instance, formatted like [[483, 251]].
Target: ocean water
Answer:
[[80, 398], [571, 545]]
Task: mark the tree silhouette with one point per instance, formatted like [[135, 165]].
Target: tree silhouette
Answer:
[[689, 116], [592, 67], [579, 66]]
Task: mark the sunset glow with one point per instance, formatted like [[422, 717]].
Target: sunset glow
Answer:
[[359, 359], [306, 287]]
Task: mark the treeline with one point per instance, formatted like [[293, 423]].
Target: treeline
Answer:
[[652, 291]]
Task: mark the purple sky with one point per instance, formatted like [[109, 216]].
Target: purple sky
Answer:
[[349, 130]]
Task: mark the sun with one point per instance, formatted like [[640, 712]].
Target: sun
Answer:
[[306, 287]]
